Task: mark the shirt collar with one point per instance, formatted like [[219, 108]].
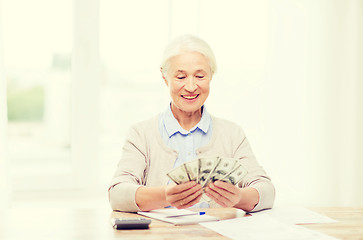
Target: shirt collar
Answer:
[[172, 125]]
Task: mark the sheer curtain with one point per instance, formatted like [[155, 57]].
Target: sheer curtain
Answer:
[[311, 104], [359, 92], [4, 183]]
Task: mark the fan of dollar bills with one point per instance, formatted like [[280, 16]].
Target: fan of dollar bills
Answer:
[[206, 170]]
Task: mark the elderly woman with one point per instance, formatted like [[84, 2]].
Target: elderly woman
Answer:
[[183, 132]]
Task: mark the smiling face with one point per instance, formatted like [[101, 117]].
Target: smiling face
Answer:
[[188, 79]]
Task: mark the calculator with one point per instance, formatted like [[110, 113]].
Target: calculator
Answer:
[[130, 223]]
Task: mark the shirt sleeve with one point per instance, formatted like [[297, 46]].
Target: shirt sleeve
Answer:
[[130, 174], [256, 176]]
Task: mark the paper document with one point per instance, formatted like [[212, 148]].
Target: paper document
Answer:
[[295, 215], [262, 227], [178, 216]]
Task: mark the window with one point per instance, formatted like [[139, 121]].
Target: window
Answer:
[[37, 52]]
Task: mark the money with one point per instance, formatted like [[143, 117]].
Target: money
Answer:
[[178, 175], [224, 167], [192, 170], [236, 175], [209, 169], [206, 167]]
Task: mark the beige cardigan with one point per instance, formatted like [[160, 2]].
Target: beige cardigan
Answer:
[[146, 159]]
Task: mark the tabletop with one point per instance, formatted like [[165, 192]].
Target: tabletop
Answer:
[[47, 223]]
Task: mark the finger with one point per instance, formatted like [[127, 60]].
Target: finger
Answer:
[[187, 196], [224, 202], [174, 190], [220, 196], [226, 186], [231, 193], [188, 192], [181, 187], [216, 199], [175, 198], [191, 203], [221, 190]]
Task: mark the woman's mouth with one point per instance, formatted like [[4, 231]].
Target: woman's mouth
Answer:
[[190, 97]]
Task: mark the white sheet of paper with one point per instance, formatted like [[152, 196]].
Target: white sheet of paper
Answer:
[[178, 216], [171, 212], [295, 215], [262, 227]]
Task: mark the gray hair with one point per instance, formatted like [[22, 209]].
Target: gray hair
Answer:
[[187, 43]]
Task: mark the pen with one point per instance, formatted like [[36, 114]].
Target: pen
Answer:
[[186, 214]]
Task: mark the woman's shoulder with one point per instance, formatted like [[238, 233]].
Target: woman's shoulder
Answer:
[[142, 131], [146, 125], [226, 126], [221, 122]]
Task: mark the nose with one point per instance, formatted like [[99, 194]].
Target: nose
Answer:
[[190, 85]]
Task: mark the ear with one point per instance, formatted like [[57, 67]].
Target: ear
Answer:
[[162, 74], [211, 77]]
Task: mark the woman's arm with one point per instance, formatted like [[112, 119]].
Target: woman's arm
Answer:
[[228, 195], [256, 185], [179, 196], [130, 172], [149, 198], [249, 199]]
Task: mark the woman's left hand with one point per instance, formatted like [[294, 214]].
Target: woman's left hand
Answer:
[[223, 193]]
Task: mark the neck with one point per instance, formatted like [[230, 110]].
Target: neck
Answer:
[[187, 120]]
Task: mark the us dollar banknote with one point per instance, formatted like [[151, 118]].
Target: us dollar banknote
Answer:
[[209, 169], [236, 175], [192, 170], [178, 175], [206, 167], [225, 166]]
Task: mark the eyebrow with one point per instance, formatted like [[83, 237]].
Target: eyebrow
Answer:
[[197, 71]]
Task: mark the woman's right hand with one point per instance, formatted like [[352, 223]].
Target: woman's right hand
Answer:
[[183, 195]]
